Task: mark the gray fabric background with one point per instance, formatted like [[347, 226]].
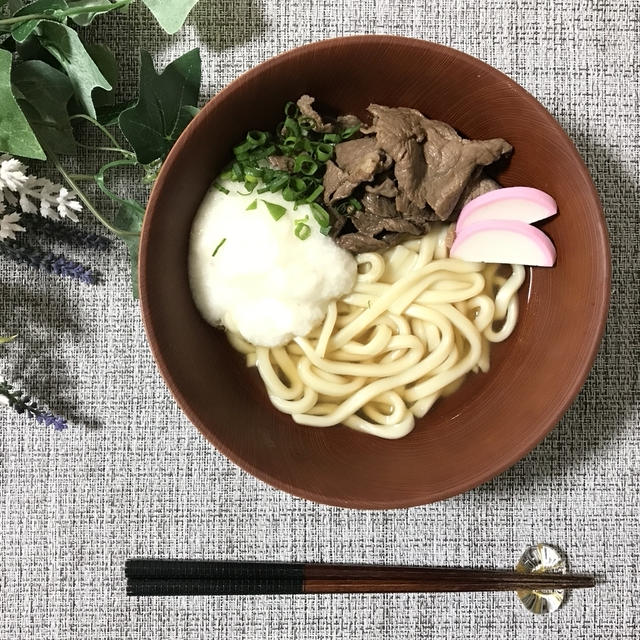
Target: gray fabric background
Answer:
[[133, 477]]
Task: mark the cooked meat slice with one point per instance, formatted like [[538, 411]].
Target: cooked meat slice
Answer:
[[348, 121], [410, 211], [360, 242], [304, 104], [379, 205], [433, 164], [337, 221], [453, 163], [367, 223], [399, 225], [361, 159], [336, 183], [387, 188], [476, 188], [282, 163], [373, 225]]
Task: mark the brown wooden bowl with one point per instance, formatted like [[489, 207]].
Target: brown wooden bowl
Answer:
[[495, 418]]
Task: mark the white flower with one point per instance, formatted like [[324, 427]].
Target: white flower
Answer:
[[8, 224], [67, 206], [32, 194], [12, 173]]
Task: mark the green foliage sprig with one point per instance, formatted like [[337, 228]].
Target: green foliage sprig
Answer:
[[51, 81]]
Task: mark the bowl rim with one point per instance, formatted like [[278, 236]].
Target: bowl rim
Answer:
[[309, 494]]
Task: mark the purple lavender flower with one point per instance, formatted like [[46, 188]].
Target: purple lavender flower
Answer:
[[22, 403], [72, 235], [57, 264]]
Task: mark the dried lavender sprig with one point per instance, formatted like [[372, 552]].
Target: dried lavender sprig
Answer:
[[22, 403], [65, 232], [57, 264]]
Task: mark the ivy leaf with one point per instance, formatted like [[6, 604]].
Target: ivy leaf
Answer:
[[44, 94], [65, 46], [109, 114], [108, 65], [22, 30], [84, 19], [129, 218], [154, 123], [16, 136], [170, 15]]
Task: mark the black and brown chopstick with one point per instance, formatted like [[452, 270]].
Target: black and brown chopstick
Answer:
[[194, 577]]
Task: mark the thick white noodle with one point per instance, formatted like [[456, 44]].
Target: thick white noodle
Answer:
[[416, 323]]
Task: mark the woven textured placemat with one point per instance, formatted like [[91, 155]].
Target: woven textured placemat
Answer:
[[132, 477]]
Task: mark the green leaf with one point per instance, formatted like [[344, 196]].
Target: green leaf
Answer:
[[7, 339], [129, 218], [65, 46], [16, 136], [109, 114], [22, 30], [44, 94], [170, 14], [108, 65], [84, 19], [159, 116]]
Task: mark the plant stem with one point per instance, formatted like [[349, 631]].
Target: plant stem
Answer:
[[73, 11], [87, 203], [102, 128], [81, 176]]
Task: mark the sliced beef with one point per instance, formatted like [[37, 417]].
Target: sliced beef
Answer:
[[361, 159], [386, 188], [453, 162], [361, 242], [336, 220], [478, 187], [348, 121], [304, 104], [433, 164], [336, 183], [282, 163], [379, 205]]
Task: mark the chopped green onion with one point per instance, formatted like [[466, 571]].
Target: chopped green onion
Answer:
[[314, 194], [238, 174], [347, 133], [289, 142], [306, 123], [226, 175], [324, 151], [249, 186], [356, 204], [257, 138], [278, 182], [300, 220], [219, 187], [331, 137], [291, 109], [262, 190], [320, 214], [292, 127], [252, 205], [325, 230], [243, 149], [218, 247], [276, 210], [294, 189], [302, 230], [305, 164], [253, 172]]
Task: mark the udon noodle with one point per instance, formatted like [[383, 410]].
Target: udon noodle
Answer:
[[416, 323]]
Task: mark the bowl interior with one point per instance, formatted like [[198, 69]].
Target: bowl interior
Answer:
[[495, 418]]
